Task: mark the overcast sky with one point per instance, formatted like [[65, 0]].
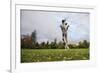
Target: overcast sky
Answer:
[[47, 25]]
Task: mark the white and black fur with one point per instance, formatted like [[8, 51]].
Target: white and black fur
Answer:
[[64, 27]]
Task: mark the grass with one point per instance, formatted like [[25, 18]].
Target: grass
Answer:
[[45, 55]]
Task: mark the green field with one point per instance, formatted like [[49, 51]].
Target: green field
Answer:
[[45, 55]]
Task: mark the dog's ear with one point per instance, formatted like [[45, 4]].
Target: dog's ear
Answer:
[[63, 20]]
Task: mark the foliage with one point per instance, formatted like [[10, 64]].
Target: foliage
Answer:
[[26, 42], [34, 37], [30, 41], [83, 44]]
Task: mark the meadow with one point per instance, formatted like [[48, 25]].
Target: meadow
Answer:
[[46, 55]]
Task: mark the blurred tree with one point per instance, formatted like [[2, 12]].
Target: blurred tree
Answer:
[[37, 45], [26, 42], [34, 36], [83, 44], [60, 45], [71, 46], [42, 45], [55, 43]]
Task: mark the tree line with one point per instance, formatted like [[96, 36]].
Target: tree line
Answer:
[[30, 42]]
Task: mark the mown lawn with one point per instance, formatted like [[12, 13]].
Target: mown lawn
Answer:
[[45, 55]]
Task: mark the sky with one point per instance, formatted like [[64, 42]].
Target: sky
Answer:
[[47, 25]]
